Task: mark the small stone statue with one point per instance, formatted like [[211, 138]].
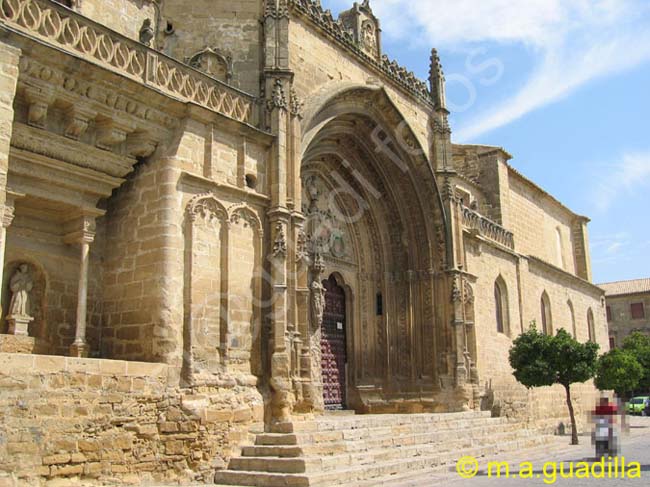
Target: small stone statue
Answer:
[[146, 32], [21, 284], [317, 302]]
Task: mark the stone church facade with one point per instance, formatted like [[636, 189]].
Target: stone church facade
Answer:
[[222, 214]]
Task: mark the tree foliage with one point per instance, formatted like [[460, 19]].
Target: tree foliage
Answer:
[[638, 345], [618, 370], [543, 360]]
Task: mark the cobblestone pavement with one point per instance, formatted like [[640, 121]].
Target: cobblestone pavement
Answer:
[[635, 447]]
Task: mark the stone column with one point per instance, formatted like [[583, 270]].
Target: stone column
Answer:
[[83, 236]]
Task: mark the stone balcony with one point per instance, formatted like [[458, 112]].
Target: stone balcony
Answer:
[[486, 228], [64, 29]]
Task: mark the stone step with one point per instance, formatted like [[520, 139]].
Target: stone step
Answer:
[[310, 447], [314, 464], [424, 476], [353, 475], [329, 423], [319, 436], [261, 479]]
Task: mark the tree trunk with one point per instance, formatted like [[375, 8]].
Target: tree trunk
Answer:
[[574, 428]]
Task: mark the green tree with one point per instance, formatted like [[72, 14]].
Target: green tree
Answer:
[[638, 345], [543, 360], [618, 370]]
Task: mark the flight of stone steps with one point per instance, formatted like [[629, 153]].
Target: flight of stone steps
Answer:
[[368, 450]]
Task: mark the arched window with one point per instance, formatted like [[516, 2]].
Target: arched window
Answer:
[[591, 327], [501, 306], [547, 322], [560, 254], [573, 319]]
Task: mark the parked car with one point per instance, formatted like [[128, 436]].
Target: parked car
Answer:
[[638, 405]]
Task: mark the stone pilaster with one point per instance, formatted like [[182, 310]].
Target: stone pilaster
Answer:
[[9, 62]]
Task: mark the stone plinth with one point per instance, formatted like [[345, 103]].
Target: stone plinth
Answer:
[[17, 344], [19, 324]]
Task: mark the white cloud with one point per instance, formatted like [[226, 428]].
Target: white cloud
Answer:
[[574, 42], [631, 174]]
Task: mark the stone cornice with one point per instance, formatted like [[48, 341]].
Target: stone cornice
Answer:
[[55, 146], [57, 26], [205, 184], [561, 272], [400, 76]]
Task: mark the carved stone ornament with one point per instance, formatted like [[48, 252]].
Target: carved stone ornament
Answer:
[[280, 242], [295, 104], [276, 9], [214, 62], [278, 98]]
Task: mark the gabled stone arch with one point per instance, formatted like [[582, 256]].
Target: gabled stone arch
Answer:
[[205, 290], [244, 296], [207, 207], [242, 210]]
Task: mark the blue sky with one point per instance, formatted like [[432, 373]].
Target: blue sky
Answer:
[[563, 85]]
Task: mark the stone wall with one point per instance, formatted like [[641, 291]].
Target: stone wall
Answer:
[[525, 279], [123, 16], [233, 28], [535, 219], [621, 323], [114, 422]]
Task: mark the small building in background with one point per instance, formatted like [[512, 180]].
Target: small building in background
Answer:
[[628, 308]]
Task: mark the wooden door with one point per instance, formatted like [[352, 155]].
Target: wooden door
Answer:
[[333, 347]]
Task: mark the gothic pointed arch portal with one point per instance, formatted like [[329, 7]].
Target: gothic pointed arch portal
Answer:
[[373, 217]]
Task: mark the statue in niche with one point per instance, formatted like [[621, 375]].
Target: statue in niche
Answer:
[[21, 284], [317, 291], [368, 36]]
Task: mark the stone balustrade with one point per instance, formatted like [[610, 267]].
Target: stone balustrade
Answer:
[[71, 32], [486, 227]]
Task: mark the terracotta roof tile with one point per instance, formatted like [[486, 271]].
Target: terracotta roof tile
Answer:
[[626, 287]]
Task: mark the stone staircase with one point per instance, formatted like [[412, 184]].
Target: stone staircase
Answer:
[[368, 450]]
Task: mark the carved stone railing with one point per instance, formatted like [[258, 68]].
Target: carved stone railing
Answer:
[[71, 32], [486, 227], [324, 19]]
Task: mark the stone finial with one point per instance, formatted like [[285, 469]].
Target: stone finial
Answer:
[[437, 81]]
